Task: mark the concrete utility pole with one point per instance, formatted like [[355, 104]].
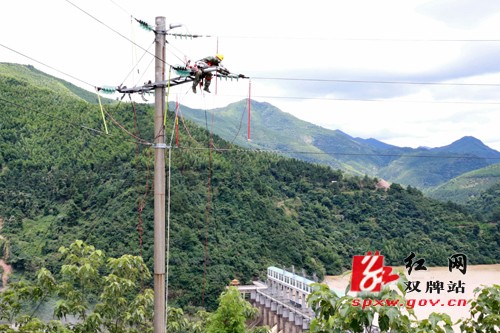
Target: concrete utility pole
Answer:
[[159, 145], [159, 320]]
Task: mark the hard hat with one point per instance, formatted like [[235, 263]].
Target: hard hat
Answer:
[[219, 56]]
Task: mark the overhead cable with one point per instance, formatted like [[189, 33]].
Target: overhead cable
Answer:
[[278, 151], [48, 66], [377, 81]]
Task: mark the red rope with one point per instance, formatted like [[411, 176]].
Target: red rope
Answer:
[[125, 130], [187, 129], [208, 209], [142, 201]]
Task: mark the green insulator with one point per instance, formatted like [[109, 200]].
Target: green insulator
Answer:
[[107, 90], [145, 26]]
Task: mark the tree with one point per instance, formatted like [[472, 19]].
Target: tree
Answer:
[[340, 314], [485, 311], [360, 314], [179, 322], [103, 294], [112, 301], [232, 313]]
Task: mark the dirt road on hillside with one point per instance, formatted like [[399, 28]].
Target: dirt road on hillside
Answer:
[[7, 270]]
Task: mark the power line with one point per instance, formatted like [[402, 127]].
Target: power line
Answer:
[[278, 151], [380, 100], [300, 79], [346, 39], [114, 30], [64, 120], [104, 24], [309, 38], [137, 64], [377, 81], [74, 77], [54, 117], [263, 150], [48, 66], [362, 100], [121, 7], [303, 79], [318, 80], [134, 139]]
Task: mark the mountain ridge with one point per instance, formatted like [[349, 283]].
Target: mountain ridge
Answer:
[[275, 129]]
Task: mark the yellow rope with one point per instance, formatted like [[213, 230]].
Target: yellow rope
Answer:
[[102, 111]]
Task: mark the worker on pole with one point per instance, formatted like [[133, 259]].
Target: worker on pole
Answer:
[[205, 63]]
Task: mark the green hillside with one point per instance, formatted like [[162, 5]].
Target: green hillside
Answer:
[[273, 129], [233, 211], [21, 75], [487, 204], [467, 186], [282, 132]]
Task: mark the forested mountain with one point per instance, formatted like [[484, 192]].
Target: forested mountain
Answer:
[[272, 128], [233, 211], [487, 204]]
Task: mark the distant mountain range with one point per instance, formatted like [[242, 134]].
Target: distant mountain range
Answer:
[[273, 129]]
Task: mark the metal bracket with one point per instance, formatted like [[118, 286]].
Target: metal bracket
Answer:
[[160, 146]]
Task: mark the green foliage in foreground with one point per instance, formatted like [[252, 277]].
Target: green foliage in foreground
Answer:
[[100, 294], [485, 311], [89, 299], [344, 314]]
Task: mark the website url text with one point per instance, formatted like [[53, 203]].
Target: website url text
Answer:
[[410, 303]]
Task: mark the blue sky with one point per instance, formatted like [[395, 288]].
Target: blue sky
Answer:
[[409, 73]]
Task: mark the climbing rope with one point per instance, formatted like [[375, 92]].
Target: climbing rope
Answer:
[[102, 110]]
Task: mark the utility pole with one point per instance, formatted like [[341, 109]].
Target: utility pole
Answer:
[[159, 317], [159, 145]]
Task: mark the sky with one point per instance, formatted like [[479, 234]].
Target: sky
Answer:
[[408, 73]]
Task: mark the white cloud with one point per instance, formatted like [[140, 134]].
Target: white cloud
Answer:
[[386, 40], [463, 14]]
